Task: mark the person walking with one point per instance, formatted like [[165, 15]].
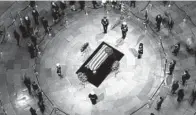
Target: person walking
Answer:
[[124, 29], [17, 37], [35, 15], [105, 24], [159, 103], [158, 22], [174, 87], [33, 111], [180, 95]]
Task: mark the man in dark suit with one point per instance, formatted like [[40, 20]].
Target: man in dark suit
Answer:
[[124, 29], [105, 24], [158, 22]]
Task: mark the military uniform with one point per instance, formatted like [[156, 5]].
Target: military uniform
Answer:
[[35, 16], [124, 29], [105, 24]]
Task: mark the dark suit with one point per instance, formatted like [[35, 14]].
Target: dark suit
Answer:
[[105, 24], [124, 29]]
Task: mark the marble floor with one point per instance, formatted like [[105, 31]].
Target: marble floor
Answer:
[[121, 94]]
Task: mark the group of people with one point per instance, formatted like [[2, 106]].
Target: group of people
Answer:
[[175, 87], [35, 92]]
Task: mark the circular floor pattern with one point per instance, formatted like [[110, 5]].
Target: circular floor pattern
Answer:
[[131, 87]]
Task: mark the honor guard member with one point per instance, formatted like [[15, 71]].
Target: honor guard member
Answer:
[[27, 22], [186, 76], [93, 97], [105, 24], [124, 29], [35, 15]]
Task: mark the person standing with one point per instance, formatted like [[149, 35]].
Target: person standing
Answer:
[[27, 83], [35, 86], [174, 87], [94, 4], [93, 97], [176, 49], [170, 23], [45, 24], [193, 97], [140, 50], [172, 66], [124, 29], [63, 6], [180, 95], [82, 5], [40, 96], [186, 76], [105, 24], [32, 4], [31, 50], [132, 3], [72, 4], [27, 22], [35, 15], [23, 31], [34, 40], [33, 111], [58, 70], [158, 22], [17, 37], [159, 103]]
